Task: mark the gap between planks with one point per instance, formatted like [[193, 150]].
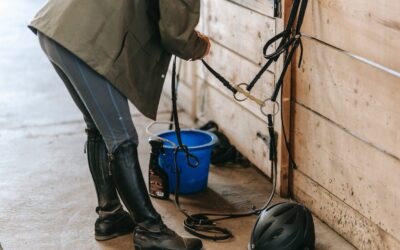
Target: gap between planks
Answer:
[[349, 132], [357, 57], [270, 15], [244, 58]]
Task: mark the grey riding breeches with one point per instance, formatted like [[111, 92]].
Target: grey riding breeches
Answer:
[[103, 106]]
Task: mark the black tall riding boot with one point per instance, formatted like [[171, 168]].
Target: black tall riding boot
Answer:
[[113, 220], [150, 232]]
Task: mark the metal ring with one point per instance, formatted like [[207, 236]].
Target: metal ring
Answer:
[[275, 104], [234, 95]]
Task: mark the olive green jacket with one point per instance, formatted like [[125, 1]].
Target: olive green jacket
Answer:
[[129, 42]]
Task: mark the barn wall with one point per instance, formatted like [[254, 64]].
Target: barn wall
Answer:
[[239, 30], [346, 120]]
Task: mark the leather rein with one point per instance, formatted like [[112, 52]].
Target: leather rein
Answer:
[[203, 225]]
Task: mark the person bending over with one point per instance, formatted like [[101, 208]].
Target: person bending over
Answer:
[[108, 52]]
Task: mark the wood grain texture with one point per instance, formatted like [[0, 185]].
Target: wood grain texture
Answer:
[[237, 70], [346, 122], [239, 125], [265, 7], [361, 98], [238, 38], [370, 29], [285, 109], [185, 96], [187, 71], [345, 220], [239, 29], [360, 175]]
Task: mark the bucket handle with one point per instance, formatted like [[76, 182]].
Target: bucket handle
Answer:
[[148, 132]]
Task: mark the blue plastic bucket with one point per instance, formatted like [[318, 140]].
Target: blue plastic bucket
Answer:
[[200, 144]]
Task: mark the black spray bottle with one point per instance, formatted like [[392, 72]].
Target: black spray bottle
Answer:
[[158, 178]]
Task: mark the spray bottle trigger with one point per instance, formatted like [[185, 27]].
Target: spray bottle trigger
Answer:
[[157, 145]]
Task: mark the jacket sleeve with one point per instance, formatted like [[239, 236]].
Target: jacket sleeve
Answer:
[[178, 19]]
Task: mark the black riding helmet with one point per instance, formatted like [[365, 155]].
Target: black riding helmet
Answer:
[[284, 226]]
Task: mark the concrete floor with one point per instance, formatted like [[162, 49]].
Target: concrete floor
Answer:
[[47, 199]]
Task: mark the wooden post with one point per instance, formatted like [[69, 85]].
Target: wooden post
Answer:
[[283, 157]]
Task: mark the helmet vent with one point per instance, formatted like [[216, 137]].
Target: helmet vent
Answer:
[[267, 226], [275, 234], [284, 226], [283, 210], [292, 219]]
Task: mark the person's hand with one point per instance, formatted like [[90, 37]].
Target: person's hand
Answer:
[[207, 40]]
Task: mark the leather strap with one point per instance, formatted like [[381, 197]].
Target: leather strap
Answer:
[[201, 225]]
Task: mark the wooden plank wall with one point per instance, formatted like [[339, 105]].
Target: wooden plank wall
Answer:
[[346, 120], [239, 30]]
